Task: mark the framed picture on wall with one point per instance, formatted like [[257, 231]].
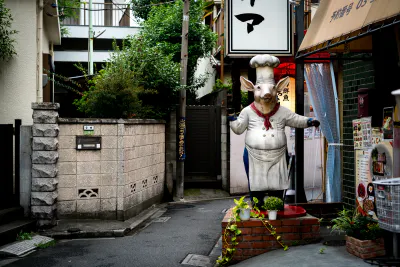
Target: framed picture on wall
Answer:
[[387, 124]]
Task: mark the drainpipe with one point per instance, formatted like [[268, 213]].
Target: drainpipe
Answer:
[[51, 74], [39, 56], [90, 38]]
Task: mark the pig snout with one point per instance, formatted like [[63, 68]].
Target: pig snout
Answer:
[[267, 92]]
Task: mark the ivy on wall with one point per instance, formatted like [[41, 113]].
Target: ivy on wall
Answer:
[[7, 49]]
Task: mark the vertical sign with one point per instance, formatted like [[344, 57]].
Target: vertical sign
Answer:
[[182, 133]]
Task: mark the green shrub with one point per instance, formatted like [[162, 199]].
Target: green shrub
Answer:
[[7, 49], [137, 82], [357, 225], [113, 93], [273, 203]]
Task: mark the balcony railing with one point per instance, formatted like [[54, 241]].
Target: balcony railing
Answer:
[[219, 29], [103, 14]]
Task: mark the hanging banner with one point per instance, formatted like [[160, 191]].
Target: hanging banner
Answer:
[[362, 133], [182, 137]]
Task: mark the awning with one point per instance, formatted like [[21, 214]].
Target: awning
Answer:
[[340, 21]]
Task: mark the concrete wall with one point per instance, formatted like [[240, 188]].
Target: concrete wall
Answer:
[[116, 182], [238, 178], [18, 76], [171, 152]]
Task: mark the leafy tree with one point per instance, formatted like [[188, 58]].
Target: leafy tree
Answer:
[[137, 82], [7, 49], [142, 8], [67, 9], [164, 29], [149, 63]]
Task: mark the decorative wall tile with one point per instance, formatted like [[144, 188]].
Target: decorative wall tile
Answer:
[[144, 183], [88, 193], [133, 188]]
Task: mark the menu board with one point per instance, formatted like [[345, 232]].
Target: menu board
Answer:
[[363, 173], [362, 133], [364, 187], [372, 164]]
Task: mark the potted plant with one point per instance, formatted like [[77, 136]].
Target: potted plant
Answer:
[[273, 205], [363, 234], [242, 208]]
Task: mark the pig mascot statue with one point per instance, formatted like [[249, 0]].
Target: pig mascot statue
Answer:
[[265, 120]]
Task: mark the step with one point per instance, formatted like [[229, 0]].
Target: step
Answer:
[[11, 214], [9, 231]]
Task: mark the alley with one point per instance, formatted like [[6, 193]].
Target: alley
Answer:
[[192, 228]]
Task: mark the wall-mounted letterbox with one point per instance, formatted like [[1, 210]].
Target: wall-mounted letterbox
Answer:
[[88, 142]]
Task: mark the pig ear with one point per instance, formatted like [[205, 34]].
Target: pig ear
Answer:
[[246, 84], [283, 83]]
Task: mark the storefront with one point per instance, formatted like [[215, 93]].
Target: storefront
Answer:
[[363, 39]]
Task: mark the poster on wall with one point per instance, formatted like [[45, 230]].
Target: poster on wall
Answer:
[[376, 136], [317, 133], [308, 133], [362, 133], [371, 164], [387, 126], [382, 161], [365, 198]]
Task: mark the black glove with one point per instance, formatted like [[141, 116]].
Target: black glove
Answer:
[[313, 122]]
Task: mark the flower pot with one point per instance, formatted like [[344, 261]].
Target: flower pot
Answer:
[[365, 249], [272, 214], [244, 214]]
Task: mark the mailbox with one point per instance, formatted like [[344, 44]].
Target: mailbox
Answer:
[[86, 142]]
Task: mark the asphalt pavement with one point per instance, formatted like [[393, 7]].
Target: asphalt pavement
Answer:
[[184, 228], [182, 234]]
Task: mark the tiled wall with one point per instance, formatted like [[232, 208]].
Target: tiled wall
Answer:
[[116, 182], [144, 164], [356, 74]]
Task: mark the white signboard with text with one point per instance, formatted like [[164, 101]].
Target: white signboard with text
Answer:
[[259, 27]]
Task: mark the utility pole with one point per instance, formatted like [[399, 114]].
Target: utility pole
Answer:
[[223, 40], [182, 101], [300, 196], [91, 37]]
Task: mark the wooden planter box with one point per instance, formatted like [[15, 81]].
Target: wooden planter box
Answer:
[[365, 249]]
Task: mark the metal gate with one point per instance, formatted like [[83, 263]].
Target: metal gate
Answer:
[[203, 143], [9, 180]]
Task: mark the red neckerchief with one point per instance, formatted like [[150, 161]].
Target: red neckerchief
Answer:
[[266, 117]]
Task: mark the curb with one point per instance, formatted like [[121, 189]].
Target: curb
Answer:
[[134, 223], [201, 200]]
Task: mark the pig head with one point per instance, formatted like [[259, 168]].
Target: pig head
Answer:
[[265, 94]]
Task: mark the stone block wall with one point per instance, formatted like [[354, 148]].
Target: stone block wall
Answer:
[[118, 181], [87, 178], [144, 158], [44, 163]]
